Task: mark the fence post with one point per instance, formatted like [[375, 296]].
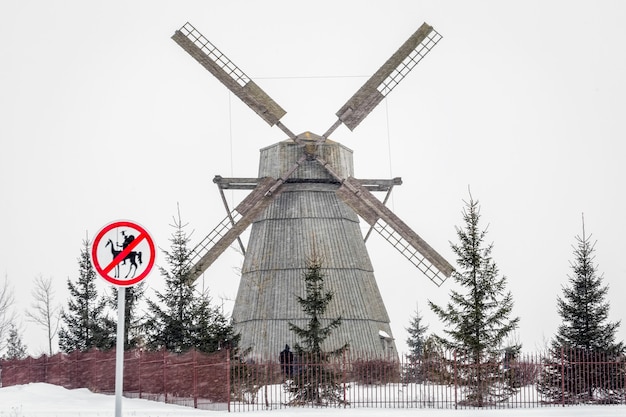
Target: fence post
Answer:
[[623, 377], [194, 357], [228, 379], [140, 369], [164, 377], [344, 378], [455, 382], [562, 376]]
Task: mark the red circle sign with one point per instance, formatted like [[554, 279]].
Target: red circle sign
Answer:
[[111, 258]]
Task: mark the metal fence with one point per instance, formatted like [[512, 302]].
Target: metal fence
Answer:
[[445, 380], [441, 380]]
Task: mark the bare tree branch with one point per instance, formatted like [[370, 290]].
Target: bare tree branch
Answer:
[[44, 312]]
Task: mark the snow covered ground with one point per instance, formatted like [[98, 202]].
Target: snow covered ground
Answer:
[[45, 400]]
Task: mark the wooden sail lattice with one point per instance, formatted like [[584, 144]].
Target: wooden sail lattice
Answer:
[[307, 201], [194, 264], [395, 231], [238, 220], [410, 252]]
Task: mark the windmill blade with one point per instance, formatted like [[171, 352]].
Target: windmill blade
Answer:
[[229, 229], [387, 77], [229, 74], [395, 231]]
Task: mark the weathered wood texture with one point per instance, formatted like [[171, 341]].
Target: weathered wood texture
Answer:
[[228, 73], [308, 219]]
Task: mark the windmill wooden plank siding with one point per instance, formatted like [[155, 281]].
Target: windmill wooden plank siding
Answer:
[[308, 219]]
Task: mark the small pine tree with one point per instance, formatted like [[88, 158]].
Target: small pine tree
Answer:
[[478, 322], [85, 324], [417, 336], [415, 342], [584, 333], [316, 380], [15, 348]]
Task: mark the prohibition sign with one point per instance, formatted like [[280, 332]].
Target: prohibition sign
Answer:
[[107, 268]]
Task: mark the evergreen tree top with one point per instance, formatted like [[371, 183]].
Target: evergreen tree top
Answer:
[[417, 336], [15, 348], [479, 319], [583, 309], [85, 322]]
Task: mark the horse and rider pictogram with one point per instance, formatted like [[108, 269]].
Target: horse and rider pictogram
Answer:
[[131, 256], [118, 243]]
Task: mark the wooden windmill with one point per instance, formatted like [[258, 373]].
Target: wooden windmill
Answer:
[[307, 202]]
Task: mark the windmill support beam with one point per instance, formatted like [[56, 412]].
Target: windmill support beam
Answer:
[[207, 251], [236, 183], [232, 219], [384, 203], [383, 185]]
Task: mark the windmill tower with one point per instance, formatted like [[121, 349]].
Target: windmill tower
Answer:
[[306, 202]]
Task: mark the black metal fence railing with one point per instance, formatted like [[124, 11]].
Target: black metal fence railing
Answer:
[[441, 380]]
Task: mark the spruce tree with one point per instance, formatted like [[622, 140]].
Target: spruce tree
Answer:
[[415, 342], [85, 323], [170, 319], [15, 348], [479, 320], [316, 380], [585, 334], [417, 336], [182, 318]]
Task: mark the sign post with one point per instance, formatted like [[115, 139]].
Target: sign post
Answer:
[[119, 350], [137, 247]]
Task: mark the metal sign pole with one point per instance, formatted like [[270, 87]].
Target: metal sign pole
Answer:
[[119, 352], [132, 248]]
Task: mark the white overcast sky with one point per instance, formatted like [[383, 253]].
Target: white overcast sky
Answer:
[[104, 117]]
